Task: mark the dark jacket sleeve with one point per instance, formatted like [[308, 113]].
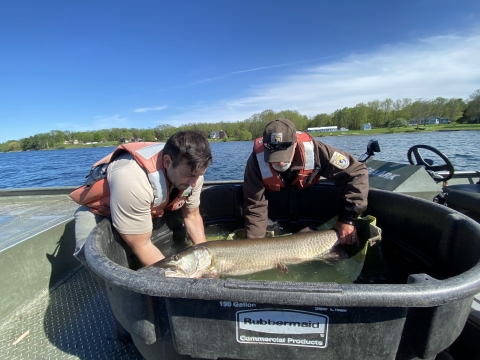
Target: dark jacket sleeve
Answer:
[[353, 179], [255, 205]]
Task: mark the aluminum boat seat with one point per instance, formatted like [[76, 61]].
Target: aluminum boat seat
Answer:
[[464, 198]]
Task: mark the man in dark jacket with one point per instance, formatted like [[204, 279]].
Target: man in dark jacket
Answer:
[[285, 157]]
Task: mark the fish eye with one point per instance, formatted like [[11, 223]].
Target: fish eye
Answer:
[[175, 258]]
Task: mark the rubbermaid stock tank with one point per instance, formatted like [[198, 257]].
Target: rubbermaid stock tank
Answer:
[[433, 251]]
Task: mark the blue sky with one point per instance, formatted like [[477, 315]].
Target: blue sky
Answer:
[[86, 65]]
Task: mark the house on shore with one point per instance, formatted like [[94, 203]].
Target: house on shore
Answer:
[[367, 126], [433, 120], [73, 142], [218, 134]]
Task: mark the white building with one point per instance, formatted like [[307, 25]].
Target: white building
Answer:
[[323, 129]]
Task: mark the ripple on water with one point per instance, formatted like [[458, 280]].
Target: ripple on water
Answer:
[[68, 167]]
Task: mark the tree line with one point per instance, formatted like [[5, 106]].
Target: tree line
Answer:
[[380, 114]]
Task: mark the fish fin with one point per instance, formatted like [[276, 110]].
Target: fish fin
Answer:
[[283, 268], [336, 253], [210, 275], [309, 228]]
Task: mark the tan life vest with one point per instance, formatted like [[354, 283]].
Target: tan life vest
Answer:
[[305, 178], [95, 193]]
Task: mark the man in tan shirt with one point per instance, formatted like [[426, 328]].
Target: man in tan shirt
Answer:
[[134, 190]]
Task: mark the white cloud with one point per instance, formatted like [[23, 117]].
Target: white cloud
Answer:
[[444, 66], [248, 70], [276, 66], [157, 108], [110, 121]]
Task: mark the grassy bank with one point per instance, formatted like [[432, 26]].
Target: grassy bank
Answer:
[[409, 129], [81, 146]]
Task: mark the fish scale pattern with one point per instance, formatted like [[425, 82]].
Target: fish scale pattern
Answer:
[[73, 322]]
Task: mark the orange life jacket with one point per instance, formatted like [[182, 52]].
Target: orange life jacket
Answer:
[[96, 193], [306, 176]]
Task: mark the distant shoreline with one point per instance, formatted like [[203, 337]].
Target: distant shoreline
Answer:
[[380, 131]]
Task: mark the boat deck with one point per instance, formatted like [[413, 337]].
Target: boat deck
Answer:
[[72, 322], [23, 216], [50, 305]]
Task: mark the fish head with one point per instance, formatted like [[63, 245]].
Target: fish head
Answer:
[[193, 263]]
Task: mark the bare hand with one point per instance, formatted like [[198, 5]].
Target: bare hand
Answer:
[[347, 233]]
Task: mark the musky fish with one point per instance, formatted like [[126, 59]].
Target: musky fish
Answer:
[[241, 257]]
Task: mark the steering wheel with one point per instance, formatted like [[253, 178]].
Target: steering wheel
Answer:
[[432, 169]]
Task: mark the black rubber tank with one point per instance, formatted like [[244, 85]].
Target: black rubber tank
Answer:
[[432, 251]]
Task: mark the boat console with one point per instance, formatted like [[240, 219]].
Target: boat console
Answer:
[[407, 179]]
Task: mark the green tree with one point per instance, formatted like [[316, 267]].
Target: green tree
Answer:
[[245, 135], [342, 117], [45, 141], [255, 125], [127, 134], [68, 135], [97, 136], [399, 122], [359, 116], [164, 131], [420, 109], [454, 109], [375, 113], [10, 145], [267, 116], [147, 135], [406, 111], [320, 120], [115, 134], [387, 107], [438, 107], [56, 137], [300, 121], [473, 108]]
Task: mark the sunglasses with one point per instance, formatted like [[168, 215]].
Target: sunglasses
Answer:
[[278, 146]]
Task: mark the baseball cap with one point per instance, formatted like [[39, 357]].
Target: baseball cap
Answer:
[[278, 139]]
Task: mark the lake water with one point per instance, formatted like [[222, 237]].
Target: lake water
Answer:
[[30, 169]]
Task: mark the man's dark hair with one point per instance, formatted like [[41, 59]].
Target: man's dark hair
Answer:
[[192, 146]]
